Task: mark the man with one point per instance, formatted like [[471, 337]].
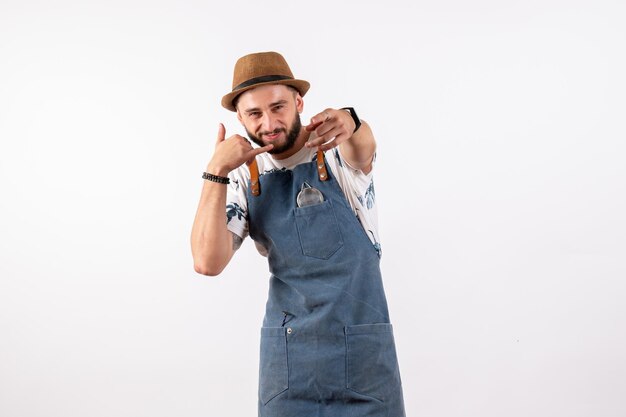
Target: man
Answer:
[[305, 196]]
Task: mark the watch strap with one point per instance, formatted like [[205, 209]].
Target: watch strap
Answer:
[[357, 121]]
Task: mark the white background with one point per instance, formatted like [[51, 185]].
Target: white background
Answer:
[[500, 183]]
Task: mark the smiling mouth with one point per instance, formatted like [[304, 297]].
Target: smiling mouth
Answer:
[[272, 136]]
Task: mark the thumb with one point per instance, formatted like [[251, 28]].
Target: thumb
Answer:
[[221, 134], [313, 125]]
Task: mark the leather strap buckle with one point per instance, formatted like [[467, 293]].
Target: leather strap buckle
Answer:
[[321, 166]]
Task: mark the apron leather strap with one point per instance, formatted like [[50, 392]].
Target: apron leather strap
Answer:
[[321, 166], [255, 186]]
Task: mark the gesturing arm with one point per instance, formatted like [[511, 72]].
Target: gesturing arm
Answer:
[[211, 241], [357, 148]]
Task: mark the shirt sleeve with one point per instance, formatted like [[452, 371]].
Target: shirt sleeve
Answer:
[[237, 203], [355, 183]]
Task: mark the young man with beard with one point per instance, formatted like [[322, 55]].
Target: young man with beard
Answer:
[[305, 196]]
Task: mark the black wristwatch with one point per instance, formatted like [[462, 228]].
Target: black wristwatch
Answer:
[[357, 121]]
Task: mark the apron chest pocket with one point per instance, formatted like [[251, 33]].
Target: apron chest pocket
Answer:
[[273, 371], [371, 361], [318, 230]]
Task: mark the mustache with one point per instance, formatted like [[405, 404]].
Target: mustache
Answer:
[[273, 132]]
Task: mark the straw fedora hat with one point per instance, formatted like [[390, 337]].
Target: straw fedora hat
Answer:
[[258, 69]]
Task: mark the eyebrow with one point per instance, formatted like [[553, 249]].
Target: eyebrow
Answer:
[[276, 103]]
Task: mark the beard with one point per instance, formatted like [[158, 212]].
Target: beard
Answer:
[[290, 139]]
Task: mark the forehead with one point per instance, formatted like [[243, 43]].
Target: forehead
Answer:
[[264, 96]]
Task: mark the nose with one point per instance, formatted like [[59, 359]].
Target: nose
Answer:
[[268, 122]]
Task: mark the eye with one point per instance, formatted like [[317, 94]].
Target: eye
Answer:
[[254, 114], [278, 107]]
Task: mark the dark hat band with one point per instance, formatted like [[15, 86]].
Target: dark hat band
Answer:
[[263, 79]]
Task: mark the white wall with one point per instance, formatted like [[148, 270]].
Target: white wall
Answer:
[[500, 180]]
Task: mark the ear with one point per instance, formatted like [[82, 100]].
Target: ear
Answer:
[[299, 103], [239, 117]]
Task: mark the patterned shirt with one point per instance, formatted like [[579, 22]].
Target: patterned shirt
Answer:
[[356, 186]]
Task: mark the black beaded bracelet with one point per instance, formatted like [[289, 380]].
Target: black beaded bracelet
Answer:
[[215, 178]]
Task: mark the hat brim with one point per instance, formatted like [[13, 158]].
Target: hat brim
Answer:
[[300, 85]]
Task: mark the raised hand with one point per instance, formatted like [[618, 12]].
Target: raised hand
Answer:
[[332, 127], [232, 152]]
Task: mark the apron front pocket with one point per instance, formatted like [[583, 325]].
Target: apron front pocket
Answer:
[[273, 371], [318, 230], [371, 361]]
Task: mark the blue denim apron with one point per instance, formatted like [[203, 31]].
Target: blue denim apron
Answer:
[[327, 347]]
